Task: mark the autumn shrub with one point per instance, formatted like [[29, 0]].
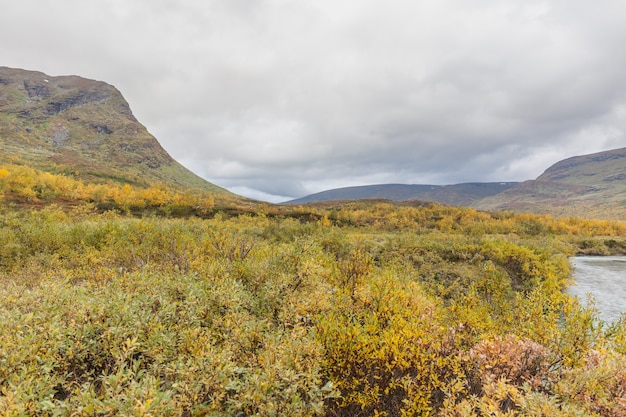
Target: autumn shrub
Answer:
[[598, 387], [150, 343], [615, 335], [386, 353], [23, 184], [501, 374], [355, 310], [519, 361]]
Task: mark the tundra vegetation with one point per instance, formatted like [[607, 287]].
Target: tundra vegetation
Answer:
[[116, 300]]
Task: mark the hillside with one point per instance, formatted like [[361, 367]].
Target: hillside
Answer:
[[456, 195], [588, 185], [83, 128]]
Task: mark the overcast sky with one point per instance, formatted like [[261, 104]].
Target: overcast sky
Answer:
[[277, 99]]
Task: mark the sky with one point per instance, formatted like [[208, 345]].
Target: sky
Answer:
[[278, 99]]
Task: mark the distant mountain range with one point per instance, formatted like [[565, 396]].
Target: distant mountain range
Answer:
[[456, 195], [587, 186], [85, 128]]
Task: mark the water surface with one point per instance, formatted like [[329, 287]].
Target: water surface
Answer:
[[604, 277]]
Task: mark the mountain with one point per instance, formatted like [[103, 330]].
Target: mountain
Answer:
[[72, 125], [587, 186], [465, 194], [592, 186]]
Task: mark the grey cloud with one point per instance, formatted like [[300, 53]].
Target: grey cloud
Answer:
[[288, 98]]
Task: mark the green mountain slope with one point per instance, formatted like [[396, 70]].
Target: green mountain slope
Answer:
[[588, 186], [74, 125]]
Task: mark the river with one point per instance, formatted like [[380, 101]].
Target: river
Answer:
[[604, 277]]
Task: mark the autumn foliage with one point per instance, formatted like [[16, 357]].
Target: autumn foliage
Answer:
[[132, 301], [27, 186]]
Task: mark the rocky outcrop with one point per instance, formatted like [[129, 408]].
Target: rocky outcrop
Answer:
[[79, 99], [36, 90]]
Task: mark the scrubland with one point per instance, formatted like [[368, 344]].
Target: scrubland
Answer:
[[128, 307]]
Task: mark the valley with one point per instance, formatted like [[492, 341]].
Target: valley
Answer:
[[130, 286]]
